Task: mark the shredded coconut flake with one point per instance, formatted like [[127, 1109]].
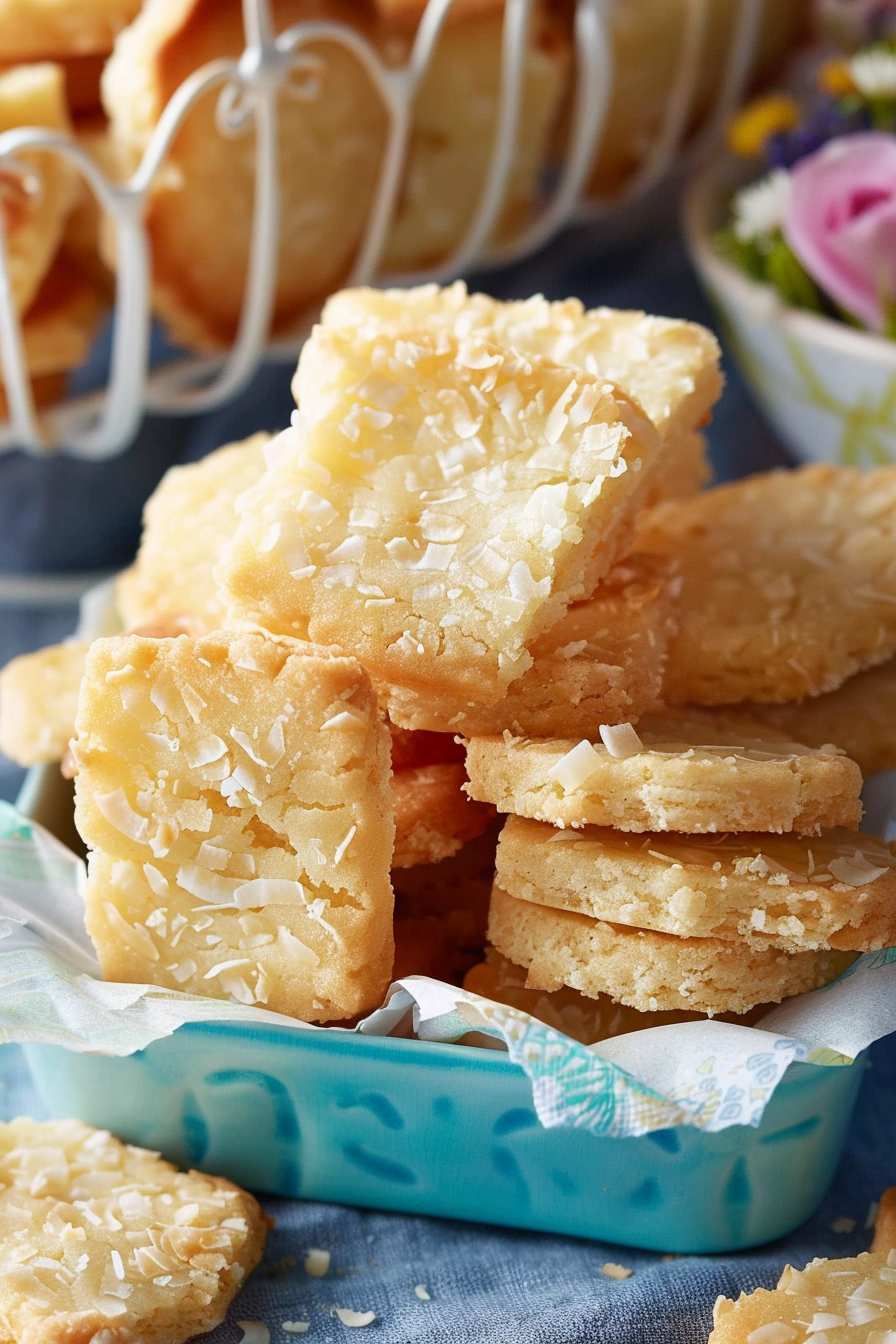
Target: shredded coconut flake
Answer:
[[355, 1318], [576, 767], [775, 1332], [121, 816], [317, 1263], [621, 740], [855, 871]]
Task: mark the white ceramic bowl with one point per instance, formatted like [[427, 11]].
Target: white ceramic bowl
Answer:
[[829, 390]]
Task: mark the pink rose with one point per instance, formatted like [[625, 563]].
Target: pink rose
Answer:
[[841, 222]]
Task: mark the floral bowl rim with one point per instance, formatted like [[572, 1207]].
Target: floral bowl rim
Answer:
[[701, 214]]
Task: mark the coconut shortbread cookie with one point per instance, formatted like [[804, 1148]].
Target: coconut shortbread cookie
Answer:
[[33, 29], [38, 699], [670, 367], [57, 332], [34, 220], [771, 891], [860, 716], [233, 790], [678, 771], [584, 1019], [648, 970], [443, 503], [788, 583], [601, 663], [187, 521], [100, 1241], [434, 818], [850, 1301]]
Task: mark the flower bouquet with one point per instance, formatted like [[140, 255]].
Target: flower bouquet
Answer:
[[820, 225]]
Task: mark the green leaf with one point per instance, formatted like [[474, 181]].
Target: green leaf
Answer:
[[745, 256], [790, 279], [889, 307]]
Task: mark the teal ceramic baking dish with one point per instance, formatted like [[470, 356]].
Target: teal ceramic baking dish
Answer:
[[450, 1130]]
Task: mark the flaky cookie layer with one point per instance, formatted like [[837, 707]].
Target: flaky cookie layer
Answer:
[[843, 1301], [233, 790], [103, 1241], [443, 502], [650, 971], [187, 521], [686, 771], [788, 583], [766, 890]]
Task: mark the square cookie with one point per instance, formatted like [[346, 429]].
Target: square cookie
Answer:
[[442, 503], [233, 790]]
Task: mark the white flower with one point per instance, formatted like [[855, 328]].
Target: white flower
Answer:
[[759, 209], [874, 72]]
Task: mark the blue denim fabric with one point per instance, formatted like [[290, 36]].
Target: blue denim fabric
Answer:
[[491, 1286]]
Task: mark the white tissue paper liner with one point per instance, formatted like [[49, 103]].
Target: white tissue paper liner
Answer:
[[707, 1074]]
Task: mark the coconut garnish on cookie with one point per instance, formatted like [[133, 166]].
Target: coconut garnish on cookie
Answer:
[[233, 791], [442, 503]]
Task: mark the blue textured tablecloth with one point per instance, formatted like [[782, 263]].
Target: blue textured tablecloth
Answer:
[[485, 1285]]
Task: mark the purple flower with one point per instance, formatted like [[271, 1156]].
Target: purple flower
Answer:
[[826, 122], [841, 222]]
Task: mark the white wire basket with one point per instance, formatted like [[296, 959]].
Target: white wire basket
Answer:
[[102, 424]]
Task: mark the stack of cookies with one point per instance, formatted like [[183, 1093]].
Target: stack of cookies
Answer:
[[472, 534], [710, 863]]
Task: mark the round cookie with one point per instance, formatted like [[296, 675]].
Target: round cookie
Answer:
[[788, 583], [860, 716], [771, 891], [650, 971], [584, 1019], [99, 1240], [686, 771]]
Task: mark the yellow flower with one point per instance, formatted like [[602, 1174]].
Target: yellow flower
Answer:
[[749, 130], [835, 78]]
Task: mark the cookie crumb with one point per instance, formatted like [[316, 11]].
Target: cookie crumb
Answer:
[[843, 1224], [611, 1271]]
